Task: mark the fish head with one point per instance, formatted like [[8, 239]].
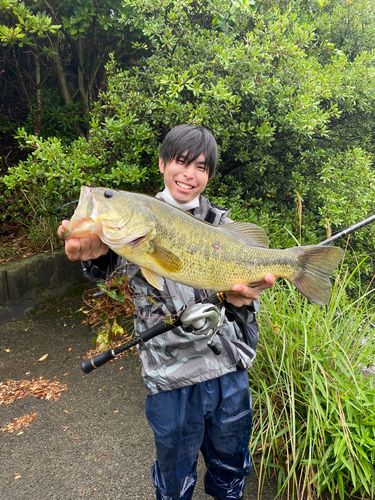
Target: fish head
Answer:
[[117, 217]]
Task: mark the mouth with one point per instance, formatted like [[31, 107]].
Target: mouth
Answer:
[[80, 227], [136, 241], [184, 186]]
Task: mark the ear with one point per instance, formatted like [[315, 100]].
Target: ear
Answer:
[[161, 165]]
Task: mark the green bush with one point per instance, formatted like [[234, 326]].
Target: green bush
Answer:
[[273, 92]]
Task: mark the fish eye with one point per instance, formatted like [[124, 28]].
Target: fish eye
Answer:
[[108, 194]]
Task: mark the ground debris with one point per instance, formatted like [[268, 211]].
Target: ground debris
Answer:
[[39, 388], [15, 243], [18, 423]]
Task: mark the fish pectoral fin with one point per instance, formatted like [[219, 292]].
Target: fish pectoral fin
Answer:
[[250, 233], [154, 279], [165, 258]]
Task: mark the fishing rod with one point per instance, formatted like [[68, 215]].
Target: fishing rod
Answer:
[[348, 230], [202, 318]]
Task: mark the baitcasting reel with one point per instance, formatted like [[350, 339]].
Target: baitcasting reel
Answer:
[[204, 319]]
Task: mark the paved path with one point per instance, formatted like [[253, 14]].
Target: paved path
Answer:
[[93, 442]]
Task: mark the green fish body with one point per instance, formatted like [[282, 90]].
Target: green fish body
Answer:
[[169, 243]]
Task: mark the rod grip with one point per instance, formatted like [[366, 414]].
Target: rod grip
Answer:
[[158, 329], [91, 364]]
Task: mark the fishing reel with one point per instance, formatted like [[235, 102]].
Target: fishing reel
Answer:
[[204, 319]]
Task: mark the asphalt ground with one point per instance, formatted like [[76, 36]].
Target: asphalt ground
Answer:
[[92, 442]]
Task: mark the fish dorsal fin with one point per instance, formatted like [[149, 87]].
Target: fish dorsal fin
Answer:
[[154, 279], [250, 233], [165, 258]]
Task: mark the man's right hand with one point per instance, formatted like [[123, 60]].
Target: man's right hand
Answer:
[[88, 247]]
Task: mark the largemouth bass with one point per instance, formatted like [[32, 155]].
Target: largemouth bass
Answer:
[[168, 242]]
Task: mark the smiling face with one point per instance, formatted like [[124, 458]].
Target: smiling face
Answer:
[[185, 182]]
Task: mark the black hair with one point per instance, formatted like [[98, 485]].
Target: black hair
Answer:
[[192, 141]]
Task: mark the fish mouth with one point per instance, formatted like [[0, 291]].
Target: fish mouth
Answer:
[[79, 227]]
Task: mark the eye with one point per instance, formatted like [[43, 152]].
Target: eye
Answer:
[[108, 194]]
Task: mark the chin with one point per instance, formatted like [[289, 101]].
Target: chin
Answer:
[[183, 199]]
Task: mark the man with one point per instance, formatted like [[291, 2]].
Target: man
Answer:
[[196, 400]]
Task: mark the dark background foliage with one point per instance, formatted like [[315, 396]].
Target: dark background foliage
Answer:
[[91, 88]]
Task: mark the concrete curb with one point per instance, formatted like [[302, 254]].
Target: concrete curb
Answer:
[[26, 282]]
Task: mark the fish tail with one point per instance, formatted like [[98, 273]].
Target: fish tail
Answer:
[[317, 264]]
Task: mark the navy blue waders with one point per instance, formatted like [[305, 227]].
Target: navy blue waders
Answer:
[[213, 416]]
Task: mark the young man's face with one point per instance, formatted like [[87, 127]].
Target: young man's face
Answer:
[[185, 182]]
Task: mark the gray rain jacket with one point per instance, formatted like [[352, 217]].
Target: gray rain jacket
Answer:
[[178, 358]]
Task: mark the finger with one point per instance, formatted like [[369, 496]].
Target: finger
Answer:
[[244, 295], [97, 247], [62, 228], [270, 279], [242, 290], [268, 282], [245, 291], [75, 248]]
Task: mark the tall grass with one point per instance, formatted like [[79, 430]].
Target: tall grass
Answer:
[[314, 394]]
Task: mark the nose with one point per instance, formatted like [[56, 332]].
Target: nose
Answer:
[[189, 171]]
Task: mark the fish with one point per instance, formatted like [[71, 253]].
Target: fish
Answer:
[[167, 242]]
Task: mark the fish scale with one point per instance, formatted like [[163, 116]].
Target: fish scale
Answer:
[[222, 267], [167, 242]]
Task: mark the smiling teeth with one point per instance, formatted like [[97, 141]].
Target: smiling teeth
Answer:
[[184, 186]]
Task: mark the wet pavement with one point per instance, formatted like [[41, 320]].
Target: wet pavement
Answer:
[[94, 441]]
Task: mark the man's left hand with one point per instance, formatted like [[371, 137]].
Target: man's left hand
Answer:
[[244, 295]]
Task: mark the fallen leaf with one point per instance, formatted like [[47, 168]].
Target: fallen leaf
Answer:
[[18, 423], [65, 411], [6, 350], [53, 448], [41, 359], [17, 476], [38, 387], [121, 368], [27, 373], [65, 374], [77, 437], [69, 349], [116, 411]]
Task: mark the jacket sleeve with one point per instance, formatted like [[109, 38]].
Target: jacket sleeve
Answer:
[[101, 268], [245, 317]]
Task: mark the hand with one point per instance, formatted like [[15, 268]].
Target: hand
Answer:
[[88, 247], [244, 295]]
